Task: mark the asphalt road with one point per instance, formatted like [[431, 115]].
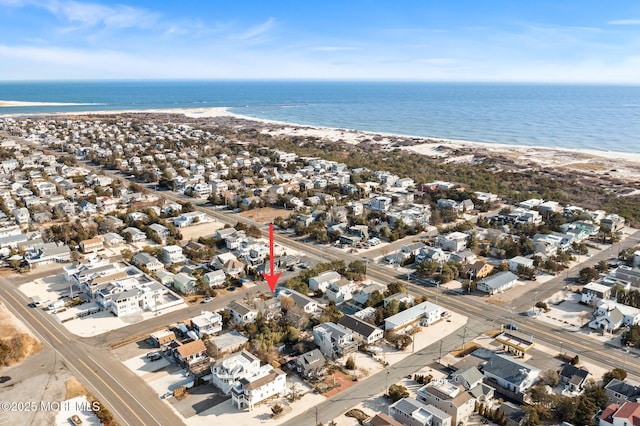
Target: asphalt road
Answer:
[[126, 395]]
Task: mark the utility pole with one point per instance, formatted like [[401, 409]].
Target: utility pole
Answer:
[[440, 354], [386, 384], [464, 336]]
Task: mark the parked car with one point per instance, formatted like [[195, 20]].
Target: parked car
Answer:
[[207, 300]]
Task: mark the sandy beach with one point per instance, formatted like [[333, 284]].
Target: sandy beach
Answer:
[[619, 165]]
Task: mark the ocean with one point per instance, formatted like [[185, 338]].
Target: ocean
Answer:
[[596, 117]]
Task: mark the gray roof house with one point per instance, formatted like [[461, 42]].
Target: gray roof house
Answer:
[[311, 364], [620, 391], [362, 330], [143, 259], [411, 412], [510, 377], [498, 283], [307, 304]]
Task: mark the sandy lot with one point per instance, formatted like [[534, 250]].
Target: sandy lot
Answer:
[[200, 230], [265, 214]]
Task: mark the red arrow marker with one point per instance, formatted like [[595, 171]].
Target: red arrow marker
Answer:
[[271, 278]]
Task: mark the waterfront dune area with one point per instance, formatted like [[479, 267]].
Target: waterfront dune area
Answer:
[[609, 165]]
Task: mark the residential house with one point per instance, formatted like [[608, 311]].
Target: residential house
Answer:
[[449, 397], [627, 414], [307, 304], [410, 412], [432, 253], [455, 241], [519, 262], [227, 372], [241, 313], [111, 239], [594, 292], [574, 378], [362, 296], [401, 298], [206, 323], [425, 313], [251, 391], [382, 419], [472, 380], [621, 391], [190, 352], [215, 279], [321, 282], [227, 343], [190, 218], [476, 270], [340, 291], [610, 316], [172, 254], [335, 341], [92, 245], [22, 216], [311, 365], [87, 208], [362, 331], [184, 283], [612, 222], [135, 235], [497, 283], [165, 277], [106, 204], [380, 203], [160, 231], [509, 376], [147, 261]]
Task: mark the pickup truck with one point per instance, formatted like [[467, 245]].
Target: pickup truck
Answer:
[[55, 305]]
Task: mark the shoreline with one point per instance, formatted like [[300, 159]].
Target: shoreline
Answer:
[[618, 164], [20, 104]]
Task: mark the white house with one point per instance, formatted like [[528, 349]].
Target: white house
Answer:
[[190, 218], [215, 279], [334, 340], [241, 313], [455, 241], [172, 254], [340, 291], [519, 262], [362, 330], [307, 304], [426, 313], [207, 323], [226, 372], [497, 283], [251, 391], [321, 282], [510, 374]]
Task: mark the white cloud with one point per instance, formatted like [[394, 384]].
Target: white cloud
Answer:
[[332, 48], [625, 22], [257, 31]]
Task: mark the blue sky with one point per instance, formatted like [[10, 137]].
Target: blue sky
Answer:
[[474, 40]]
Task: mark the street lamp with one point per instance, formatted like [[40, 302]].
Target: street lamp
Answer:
[[437, 291], [535, 301], [511, 311], [386, 384]]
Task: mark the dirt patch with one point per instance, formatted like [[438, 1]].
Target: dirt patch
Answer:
[[265, 214], [340, 381], [468, 348], [16, 343], [74, 389], [201, 230]]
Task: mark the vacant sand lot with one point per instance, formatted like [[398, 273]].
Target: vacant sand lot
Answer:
[[265, 214]]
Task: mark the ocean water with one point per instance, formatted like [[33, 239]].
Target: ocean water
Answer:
[[605, 118]]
